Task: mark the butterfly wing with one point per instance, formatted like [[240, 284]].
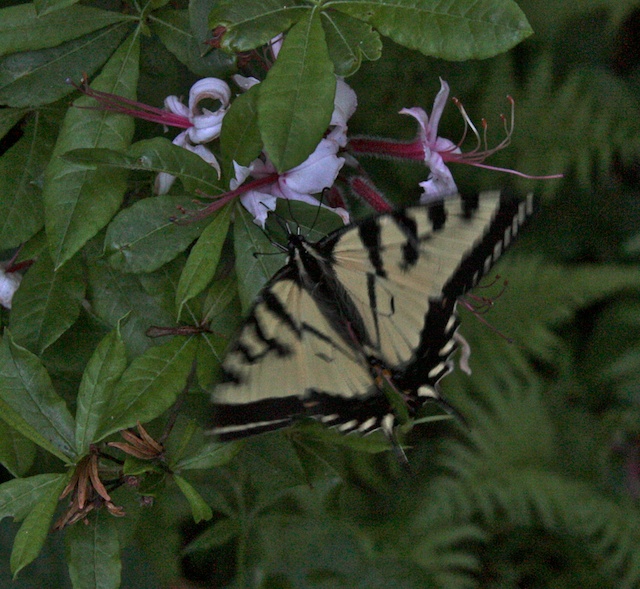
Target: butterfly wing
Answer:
[[395, 269], [288, 361], [375, 298]]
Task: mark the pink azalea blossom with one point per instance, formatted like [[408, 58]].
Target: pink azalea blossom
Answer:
[[9, 284], [204, 126], [440, 181], [436, 152], [317, 172]]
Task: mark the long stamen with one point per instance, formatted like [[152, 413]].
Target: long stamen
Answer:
[[126, 106]]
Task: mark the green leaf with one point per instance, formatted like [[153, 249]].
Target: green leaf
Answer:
[[219, 297], [453, 30], [98, 382], [240, 137], [47, 303], [155, 155], [176, 31], [93, 553], [349, 40], [160, 155], [296, 98], [35, 78], [21, 169], [209, 456], [250, 24], [34, 529], [211, 352], [29, 402], [253, 271], [150, 385], [114, 295], [200, 510], [19, 496], [46, 6], [203, 258], [144, 237], [17, 452], [21, 29], [80, 201], [273, 464], [9, 117], [219, 534]]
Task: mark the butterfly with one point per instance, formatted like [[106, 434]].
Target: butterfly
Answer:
[[357, 329]]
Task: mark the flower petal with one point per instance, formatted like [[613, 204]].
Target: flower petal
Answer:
[[208, 88], [439, 103], [344, 105], [258, 204], [440, 182], [9, 283], [317, 172], [174, 105], [244, 82]]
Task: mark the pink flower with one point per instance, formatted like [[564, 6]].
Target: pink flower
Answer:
[[204, 126], [437, 152], [317, 172], [9, 284], [440, 181]]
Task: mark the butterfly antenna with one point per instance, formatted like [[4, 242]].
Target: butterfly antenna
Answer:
[[315, 219], [285, 227]]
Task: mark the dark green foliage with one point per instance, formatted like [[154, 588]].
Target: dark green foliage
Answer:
[[539, 488]]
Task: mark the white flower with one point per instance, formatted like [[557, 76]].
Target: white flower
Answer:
[[440, 181], [9, 283], [317, 172], [206, 125], [344, 105]]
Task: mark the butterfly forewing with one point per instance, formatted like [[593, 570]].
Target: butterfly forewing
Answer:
[[288, 347], [393, 278]]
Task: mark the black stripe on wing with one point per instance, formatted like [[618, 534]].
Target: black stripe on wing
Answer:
[[511, 215], [432, 358], [367, 414]]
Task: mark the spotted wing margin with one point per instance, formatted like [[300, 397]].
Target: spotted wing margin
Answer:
[[431, 360], [395, 267], [289, 362]]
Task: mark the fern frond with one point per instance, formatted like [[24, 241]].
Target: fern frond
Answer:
[[542, 295], [581, 124]]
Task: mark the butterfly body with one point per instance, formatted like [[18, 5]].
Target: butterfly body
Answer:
[[368, 309]]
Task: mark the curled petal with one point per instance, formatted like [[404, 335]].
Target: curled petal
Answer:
[[206, 126], [344, 105], [208, 88], [439, 103], [9, 283], [440, 182], [258, 204], [276, 44], [174, 105], [242, 173], [243, 82], [206, 155]]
